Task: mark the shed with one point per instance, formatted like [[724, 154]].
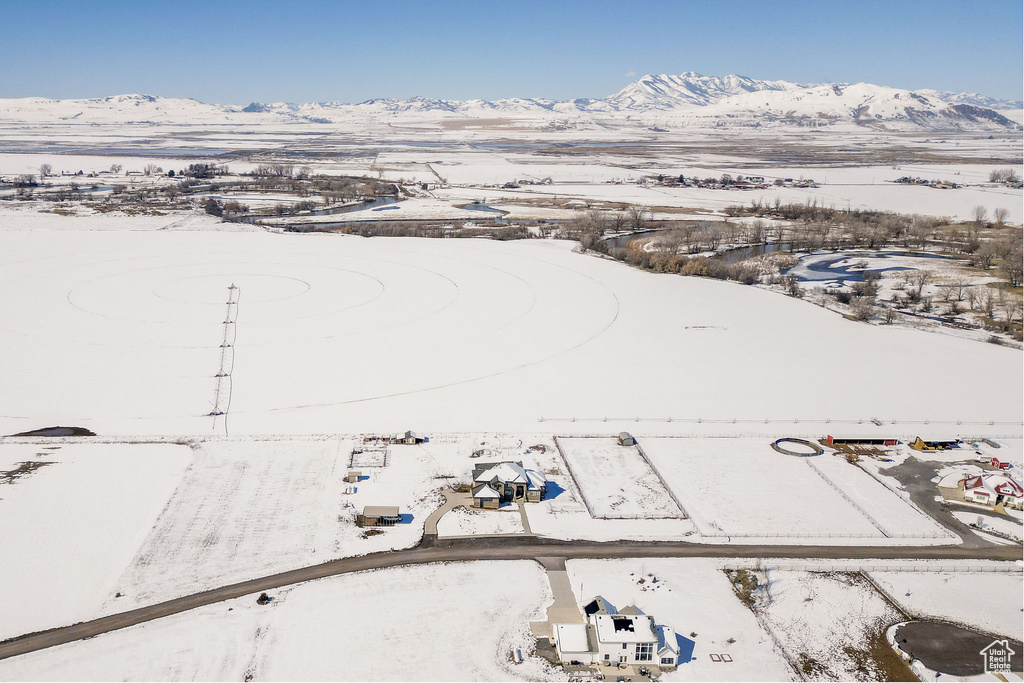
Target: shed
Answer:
[[860, 440], [943, 444], [379, 515], [353, 476], [412, 437], [625, 439]]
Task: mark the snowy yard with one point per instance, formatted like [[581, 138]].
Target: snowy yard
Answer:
[[695, 598], [72, 524], [741, 487], [331, 629], [465, 522], [616, 481]]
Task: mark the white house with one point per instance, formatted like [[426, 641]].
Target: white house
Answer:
[[625, 637], [993, 489]]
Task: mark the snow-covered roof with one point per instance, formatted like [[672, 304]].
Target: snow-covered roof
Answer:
[[625, 628], [537, 480], [572, 638], [380, 511], [599, 606], [994, 484], [511, 473], [485, 491], [667, 641]]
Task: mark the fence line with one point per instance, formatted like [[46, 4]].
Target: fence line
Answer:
[[701, 420], [905, 497], [664, 484], [851, 501], [572, 475], [1001, 568]]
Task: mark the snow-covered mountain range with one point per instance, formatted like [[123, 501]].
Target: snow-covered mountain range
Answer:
[[685, 100]]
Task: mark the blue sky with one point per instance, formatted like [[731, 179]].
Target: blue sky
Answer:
[[300, 51]]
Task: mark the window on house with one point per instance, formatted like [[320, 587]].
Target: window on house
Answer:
[[667, 660], [623, 646], [644, 652], [607, 657]]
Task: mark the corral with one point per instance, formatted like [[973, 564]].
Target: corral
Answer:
[[616, 481]]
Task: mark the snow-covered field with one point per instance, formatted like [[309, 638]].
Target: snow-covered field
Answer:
[[897, 516], [747, 489], [616, 481], [120, 331], [72, 524], [425, 623]]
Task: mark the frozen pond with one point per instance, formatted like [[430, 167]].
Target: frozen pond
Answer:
[[824, 268]]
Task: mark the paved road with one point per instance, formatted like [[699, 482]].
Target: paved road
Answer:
[[506, 548]]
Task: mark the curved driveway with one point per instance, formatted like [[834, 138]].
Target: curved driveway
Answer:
[[506, 548]]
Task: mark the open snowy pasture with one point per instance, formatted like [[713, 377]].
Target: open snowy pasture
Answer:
[[695, 598], [742, 487], [121, 331], [71, 519], [896, 515], [828, 623], [248, 508], [331, 629], [616, 481], [990, 601]]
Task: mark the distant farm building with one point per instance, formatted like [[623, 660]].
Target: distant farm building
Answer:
[[379, 515], [497, 483], [626, 439], [920, 444], [624, 637], [411, 437], [860, 441], [353, 476], [993, 489]]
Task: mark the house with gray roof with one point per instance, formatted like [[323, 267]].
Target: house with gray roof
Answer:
[[497, 483]]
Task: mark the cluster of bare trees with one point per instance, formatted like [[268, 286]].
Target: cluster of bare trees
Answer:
[[279, 171], [1003, 175]]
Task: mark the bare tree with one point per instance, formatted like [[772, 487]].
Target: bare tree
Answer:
[[45, 170], [979, 213], [637, 217], [1013, 264], [1000, 215], [972, 295], [920, 279], [151, 169], [116, 168]]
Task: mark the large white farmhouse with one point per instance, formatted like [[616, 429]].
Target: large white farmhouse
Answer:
[[628, 637]]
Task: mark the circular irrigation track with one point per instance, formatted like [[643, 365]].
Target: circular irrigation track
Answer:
[[134, 321]]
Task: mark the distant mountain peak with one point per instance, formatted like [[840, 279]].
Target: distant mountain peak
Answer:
[[654, 101]]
